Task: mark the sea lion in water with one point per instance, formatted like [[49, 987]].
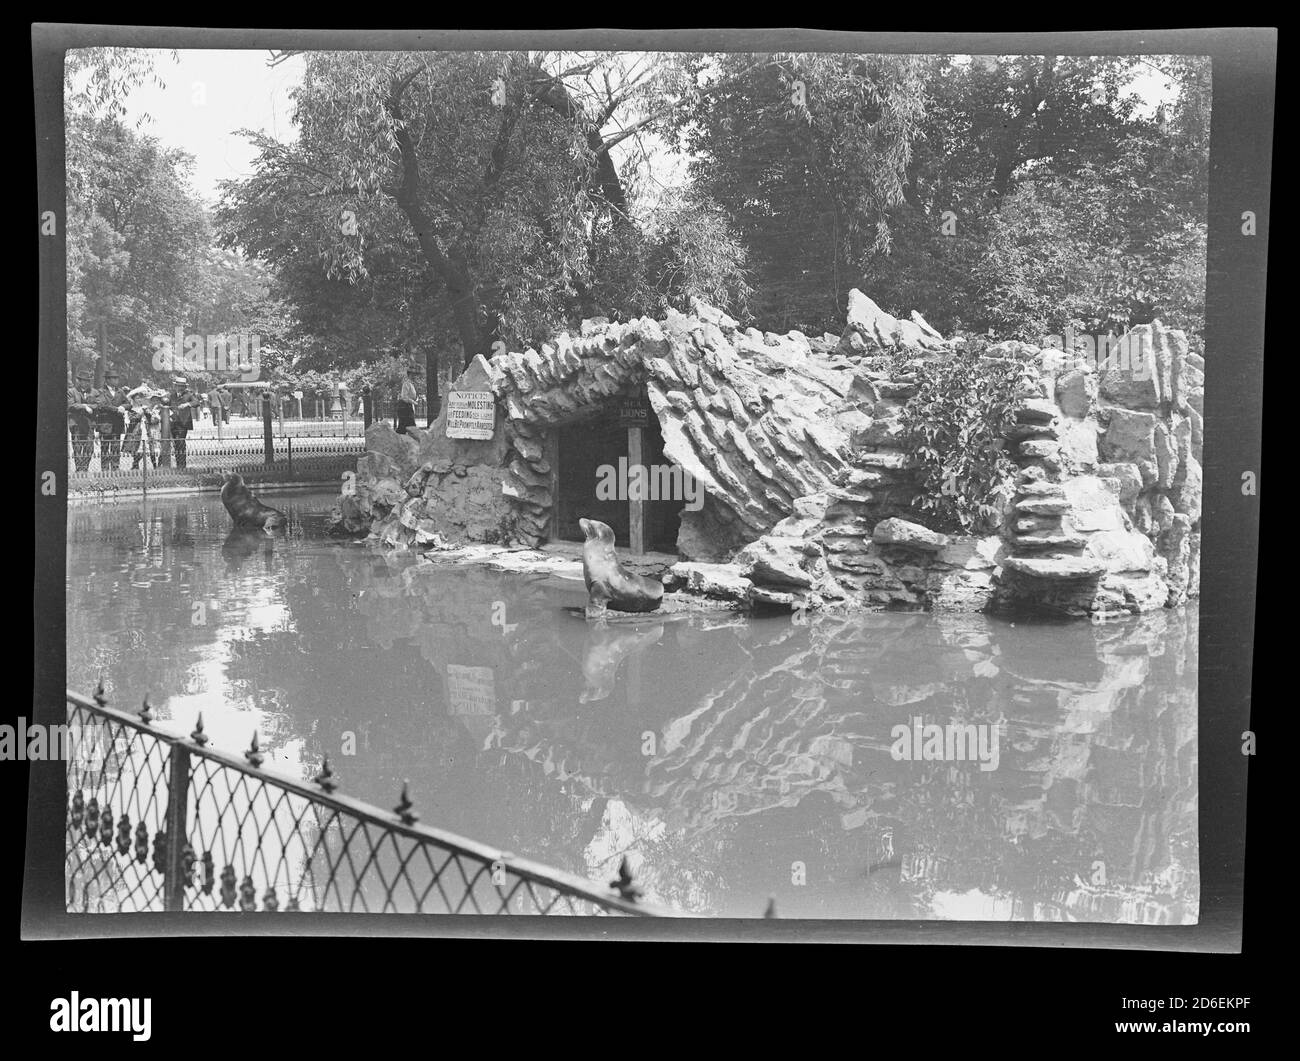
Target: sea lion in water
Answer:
[[609, 584], [245, 509]]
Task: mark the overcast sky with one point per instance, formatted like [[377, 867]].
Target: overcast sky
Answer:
[[209, 96]]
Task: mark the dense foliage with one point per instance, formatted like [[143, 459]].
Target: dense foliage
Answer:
[[1022, 194], [434, 204], [142, 255], [954, 427], [474, 198]]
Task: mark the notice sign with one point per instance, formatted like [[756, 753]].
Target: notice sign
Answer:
[[470, 691], [471, 414], [633, 413]]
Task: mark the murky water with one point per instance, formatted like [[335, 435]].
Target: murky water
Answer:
[[733, 759]]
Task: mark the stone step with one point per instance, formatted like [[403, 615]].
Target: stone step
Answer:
[[1050, 541], [1055, 568], [1040, 489], [1043, 506], [1033, 524], [1037, 411], [1025, 432], [896, 389], [884, 461]]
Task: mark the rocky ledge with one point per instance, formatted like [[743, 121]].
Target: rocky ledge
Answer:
[[809, 487]]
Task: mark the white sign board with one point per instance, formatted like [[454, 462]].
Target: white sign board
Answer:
[[471, 414], [470, 690]]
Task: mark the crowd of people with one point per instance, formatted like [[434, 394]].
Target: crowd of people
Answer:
[[132, 422], [150, 424]]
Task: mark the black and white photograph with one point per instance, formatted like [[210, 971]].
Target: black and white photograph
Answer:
[[699, 482]]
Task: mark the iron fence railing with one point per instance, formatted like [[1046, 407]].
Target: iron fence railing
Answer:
[[99, 465], [162, 822]]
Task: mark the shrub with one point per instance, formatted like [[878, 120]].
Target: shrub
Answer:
[[954, 426]]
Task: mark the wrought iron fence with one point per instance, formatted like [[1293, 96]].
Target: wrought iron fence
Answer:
[[158, 821], [103, 466]]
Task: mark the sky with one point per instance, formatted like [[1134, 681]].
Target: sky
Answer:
[[210, 94]]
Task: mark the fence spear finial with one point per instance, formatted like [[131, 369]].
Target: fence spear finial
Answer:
[[254, 753], [403, 808], [198, 736], [326, 776]]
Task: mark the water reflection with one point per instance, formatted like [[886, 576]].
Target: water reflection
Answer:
[[731, 759]]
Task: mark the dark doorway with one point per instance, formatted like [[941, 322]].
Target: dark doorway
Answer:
[[583, 449], [663, 519]]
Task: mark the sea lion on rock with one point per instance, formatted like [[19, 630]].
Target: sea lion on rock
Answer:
[[245, 509], [609, 583]]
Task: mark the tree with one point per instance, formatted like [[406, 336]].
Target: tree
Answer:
[[1026, 194], [485, 180], [807, 154], [1069, 207], [136, 237], [141, 253]]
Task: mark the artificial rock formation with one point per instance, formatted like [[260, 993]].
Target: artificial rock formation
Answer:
[[809, 487], [1107, 505]]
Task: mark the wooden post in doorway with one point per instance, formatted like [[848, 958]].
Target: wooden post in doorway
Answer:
[[636, 503], [552, 452]]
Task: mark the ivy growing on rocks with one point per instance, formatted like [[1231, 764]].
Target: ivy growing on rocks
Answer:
[[954, 426]]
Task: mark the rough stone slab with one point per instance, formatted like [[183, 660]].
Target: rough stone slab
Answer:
[[885, 461], [764, 595], [1130, 437], [775, 560], [1041, 489], [712, 580], [902, 533], [1057, 568], [1050, 541], [1037, 411], [1039, 449], [1044, 506]]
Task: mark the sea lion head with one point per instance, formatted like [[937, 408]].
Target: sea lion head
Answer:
[[597, 531], [233, 479]]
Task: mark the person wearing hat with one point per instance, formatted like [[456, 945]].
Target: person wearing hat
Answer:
[[181, 401], [80, 414], [109, 403], [406, 400], [217, 403], [142, 426]]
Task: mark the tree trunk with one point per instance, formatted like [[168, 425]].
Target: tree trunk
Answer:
[[432, 403], [451, 267], [1010, 150]]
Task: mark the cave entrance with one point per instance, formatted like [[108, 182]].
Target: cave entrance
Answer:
[[592, 466]]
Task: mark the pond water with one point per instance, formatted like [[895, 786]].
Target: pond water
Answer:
[[733, 759]]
